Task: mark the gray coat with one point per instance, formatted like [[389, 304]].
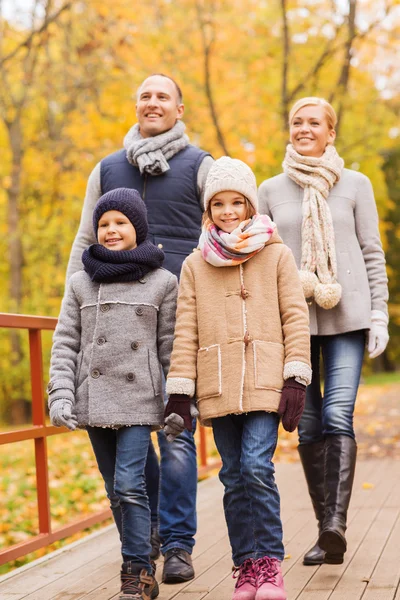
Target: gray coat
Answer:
[[360, 257], [109, 345]]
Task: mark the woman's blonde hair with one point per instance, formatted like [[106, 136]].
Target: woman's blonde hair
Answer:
[[250, 212], [330, 114]]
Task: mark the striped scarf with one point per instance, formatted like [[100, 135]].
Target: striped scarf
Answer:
[[222, 249]]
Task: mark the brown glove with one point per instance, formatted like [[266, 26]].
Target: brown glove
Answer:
[[292, 403], [180, 405]]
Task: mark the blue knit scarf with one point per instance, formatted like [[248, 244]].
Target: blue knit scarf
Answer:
[[117, 266]]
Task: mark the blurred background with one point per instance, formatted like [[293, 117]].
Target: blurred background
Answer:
[[69, 71]]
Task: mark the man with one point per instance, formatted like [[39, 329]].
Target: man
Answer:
[[170, 174]]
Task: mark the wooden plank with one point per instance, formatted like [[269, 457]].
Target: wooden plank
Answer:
[[326, 577], [386, 576], [353, 583], [206, 583], [90, 569], [28, 581]]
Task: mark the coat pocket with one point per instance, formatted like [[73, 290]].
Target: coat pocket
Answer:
[[209, 376], [155, 372], [268, 365]]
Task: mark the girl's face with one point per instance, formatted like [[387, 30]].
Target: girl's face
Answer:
[[116, 232], [309, 131], [228, 209]]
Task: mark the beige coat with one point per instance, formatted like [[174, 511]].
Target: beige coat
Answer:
[[360, 258], [240, 332]]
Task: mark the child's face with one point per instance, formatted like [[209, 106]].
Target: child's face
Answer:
[[228, 209], [116, 232]]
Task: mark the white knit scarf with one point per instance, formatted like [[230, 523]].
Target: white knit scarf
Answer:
[[317, 176], [151, 154]]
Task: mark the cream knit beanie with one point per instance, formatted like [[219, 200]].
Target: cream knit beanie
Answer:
[[231, 174]]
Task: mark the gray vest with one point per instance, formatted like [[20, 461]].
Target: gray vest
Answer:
[[173, 204]]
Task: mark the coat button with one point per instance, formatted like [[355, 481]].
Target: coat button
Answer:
[[101, 341], [159, 245], [135, 345], [105, 307], [139, 311], [130, 377], [95, 373], [142, 280]]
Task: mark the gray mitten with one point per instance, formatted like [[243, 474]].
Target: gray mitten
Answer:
[[61, 414], [174, 424]]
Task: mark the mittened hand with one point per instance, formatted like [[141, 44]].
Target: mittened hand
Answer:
[[61, 414], [179, 404], [378, 335], [292, 403]]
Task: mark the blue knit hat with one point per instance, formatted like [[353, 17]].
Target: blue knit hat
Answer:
[[129, 203]]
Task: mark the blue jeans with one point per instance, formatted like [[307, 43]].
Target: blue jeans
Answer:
[[177, 492], [121, 455], [332, 413], [247, 444]]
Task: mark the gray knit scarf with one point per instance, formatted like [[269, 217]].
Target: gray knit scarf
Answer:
[[151, 154]]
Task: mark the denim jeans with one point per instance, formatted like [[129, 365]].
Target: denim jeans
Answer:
[[332, 413], [247, 444], [121, 456], [177, 491]]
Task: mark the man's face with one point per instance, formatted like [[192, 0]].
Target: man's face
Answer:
[[157, 107]]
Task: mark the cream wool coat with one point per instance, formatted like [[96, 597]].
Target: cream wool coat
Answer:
[[359, 253], [240, 332]]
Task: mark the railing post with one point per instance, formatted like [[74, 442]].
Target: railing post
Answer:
[[203, 447], [38, 418]]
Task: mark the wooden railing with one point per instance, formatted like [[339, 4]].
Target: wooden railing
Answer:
[[39, 432]]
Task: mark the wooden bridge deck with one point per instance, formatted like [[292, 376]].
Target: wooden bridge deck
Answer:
[[88, 569]]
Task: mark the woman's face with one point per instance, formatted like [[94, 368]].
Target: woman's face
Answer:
[[309, 131]]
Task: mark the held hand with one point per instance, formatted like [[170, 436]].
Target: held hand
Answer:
[[61, 414], [180, 405], [292, 403], [174, 423], [378, 335]]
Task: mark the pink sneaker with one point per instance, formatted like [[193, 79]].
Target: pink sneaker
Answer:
[[269, 579], [245, 588]]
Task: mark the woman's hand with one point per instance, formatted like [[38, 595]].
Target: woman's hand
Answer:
[[378, 335], [292, 403]]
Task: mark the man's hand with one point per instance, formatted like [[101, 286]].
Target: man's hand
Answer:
[[292, 403]]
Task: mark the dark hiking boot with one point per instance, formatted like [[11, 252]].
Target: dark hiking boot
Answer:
[[340, 461], [137, 583], [313, 460], [155, 543], [178, 566]]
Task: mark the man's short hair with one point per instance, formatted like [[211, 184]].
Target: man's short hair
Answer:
[[178, 89]]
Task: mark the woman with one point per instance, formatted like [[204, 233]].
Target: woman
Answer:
[[327, 216]]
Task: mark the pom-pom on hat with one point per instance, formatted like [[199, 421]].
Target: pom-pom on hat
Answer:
[[231, 174], [129, 203]]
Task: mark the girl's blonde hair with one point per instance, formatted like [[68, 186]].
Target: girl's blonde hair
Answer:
[[250, 212], [330, 114]]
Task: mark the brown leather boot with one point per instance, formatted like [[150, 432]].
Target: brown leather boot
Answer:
[[312, 458], [340, 462], [137, 583]]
